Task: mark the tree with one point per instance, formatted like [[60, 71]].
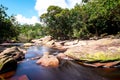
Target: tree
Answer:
[[28, 32], [55, 20], [7, 29], [93, 18], [101, 17]]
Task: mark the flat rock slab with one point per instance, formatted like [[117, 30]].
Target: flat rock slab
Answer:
[[102, 50], [104, 64]]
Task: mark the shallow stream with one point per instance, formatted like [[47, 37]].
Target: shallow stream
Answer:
[[67, 70]]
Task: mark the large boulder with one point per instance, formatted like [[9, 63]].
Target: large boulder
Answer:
[[48, 60], [103, 50], [46, 39], [15, 52], [43, 41], [7, 64]]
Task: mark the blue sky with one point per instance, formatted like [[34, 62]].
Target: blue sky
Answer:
[[24, 7], [28, 11]]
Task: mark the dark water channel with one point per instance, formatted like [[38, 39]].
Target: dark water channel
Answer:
[[68, 70]]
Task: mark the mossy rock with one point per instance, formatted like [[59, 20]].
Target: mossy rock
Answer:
[[103, 50], [7, 64], [102, 56]]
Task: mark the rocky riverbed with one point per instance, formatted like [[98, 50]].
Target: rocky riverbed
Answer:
[[97, 53]]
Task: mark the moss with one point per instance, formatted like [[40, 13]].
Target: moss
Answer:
[[98, 56], [105, 49], [104, 56], [0, 66]]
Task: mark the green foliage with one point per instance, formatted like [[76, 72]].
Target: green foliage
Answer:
[[28, 32], [7, 29], [101, 17], [56, 21], [92, 17]]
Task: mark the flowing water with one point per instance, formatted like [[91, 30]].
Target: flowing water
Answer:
[[68, 70]]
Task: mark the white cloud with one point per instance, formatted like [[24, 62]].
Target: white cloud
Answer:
[[42, 5], [23, 20], [73, 2]]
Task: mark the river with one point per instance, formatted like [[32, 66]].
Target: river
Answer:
[[67, 70]]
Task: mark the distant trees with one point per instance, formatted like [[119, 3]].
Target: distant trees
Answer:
[[29, 32], [11, 29], [7, 29], [88, 19], [93, 18]]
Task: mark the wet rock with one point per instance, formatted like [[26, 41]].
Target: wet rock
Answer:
[[28, 44], [7, 63], [48, 60], [7, 75], [61, 55], [22, 77], [101, 50], [15, 52], [104, 64], [44, 41]]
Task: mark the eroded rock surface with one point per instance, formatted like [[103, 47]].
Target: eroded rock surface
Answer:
[[9, 58], [15, 52], [7, 63], [102, 50], [48, 60]]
